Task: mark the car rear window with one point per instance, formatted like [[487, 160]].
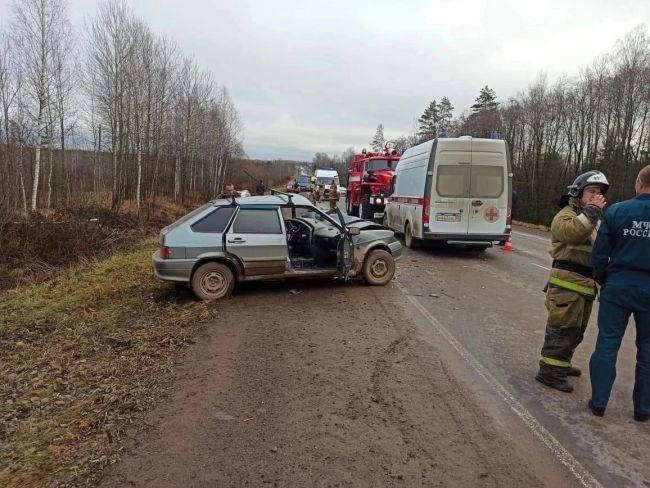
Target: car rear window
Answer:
[[257, 221], [214, 222]]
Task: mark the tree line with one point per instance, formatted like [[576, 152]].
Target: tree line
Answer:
[[598, 119], [143, 119]]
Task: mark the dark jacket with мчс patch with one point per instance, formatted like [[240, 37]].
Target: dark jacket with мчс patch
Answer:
[[621, 253]]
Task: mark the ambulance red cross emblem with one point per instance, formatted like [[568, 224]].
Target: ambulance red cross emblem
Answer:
[[491, 214]]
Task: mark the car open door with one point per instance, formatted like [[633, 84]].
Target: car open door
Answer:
[[345, 248]]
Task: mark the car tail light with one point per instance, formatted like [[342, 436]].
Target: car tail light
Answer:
[[164, 252], [509, 215], [425, 211]]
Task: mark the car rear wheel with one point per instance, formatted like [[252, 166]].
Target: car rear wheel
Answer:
[[379, 267], [212, 281], [410, 241]]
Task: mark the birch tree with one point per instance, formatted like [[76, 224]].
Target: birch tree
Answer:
[[38, 34]]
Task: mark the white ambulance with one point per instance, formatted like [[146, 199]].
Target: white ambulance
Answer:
[[326, 177], [455, 190]]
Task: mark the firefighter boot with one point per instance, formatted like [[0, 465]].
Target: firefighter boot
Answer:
[[572, 371], [553, 377]]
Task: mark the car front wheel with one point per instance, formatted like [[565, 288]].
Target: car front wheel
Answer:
[[378, 267], [212, 281]]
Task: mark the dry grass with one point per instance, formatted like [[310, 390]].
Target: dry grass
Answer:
[[44, 244], [81, 357]]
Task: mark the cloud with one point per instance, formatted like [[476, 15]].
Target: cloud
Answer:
[[311, 76]]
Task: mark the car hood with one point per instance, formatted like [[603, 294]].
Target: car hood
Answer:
[[373, 232], [365, 225]]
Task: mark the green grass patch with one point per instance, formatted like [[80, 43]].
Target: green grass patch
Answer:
[[81, 357]]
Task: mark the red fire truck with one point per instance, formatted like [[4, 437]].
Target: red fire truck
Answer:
[[370, 181]]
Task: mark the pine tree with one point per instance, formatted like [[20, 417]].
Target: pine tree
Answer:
[[487, 100], [378, 140], [429, 122], [445, 112]]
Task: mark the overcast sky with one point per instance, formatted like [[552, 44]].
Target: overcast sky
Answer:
[[319, 76]]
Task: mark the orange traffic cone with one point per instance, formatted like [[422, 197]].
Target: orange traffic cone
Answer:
[[509, 246]]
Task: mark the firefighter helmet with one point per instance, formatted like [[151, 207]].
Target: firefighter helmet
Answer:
[[590, 178]]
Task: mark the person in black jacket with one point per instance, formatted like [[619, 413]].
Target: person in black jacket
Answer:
[[621, 262], [260, 188]]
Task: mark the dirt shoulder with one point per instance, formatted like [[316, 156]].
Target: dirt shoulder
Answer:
[[320, 388]]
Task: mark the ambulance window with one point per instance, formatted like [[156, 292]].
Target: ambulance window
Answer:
[[452, 181], [487, 181]]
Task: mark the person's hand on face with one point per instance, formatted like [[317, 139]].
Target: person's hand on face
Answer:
[[593, 196]]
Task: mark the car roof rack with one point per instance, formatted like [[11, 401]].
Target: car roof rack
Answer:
[[288, 195]]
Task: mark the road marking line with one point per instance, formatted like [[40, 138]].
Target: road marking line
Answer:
[[585, 478], [532, 236], [540, 266]]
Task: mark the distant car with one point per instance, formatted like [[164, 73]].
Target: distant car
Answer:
[[269, 238], [244, 193]]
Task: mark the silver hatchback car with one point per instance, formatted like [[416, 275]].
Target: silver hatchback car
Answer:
[[269, 238]]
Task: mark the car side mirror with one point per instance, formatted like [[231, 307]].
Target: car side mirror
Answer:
[[354, 231]]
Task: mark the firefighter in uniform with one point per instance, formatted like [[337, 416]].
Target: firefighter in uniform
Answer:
[[571, 288], [334, 196], [312, 189]]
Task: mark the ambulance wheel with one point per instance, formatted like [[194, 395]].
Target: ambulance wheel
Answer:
[[378, 267], [410, 241], [366, 209]]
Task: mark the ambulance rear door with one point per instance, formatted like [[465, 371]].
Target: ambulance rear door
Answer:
[[449, 183], [488, 188]]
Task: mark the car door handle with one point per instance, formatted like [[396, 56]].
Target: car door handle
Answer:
[[476, 203], [236, 240]]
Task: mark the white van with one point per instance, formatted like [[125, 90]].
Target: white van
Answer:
[[325, 177], [456, 190]]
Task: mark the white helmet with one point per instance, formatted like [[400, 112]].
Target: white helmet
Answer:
[[590, 178]]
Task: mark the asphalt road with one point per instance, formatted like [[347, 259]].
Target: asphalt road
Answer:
[[489, 309], [487, 316]]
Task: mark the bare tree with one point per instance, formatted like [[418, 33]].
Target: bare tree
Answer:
[[38, 33], [110, 45]]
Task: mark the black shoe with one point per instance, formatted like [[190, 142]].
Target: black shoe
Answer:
[[560, 385], [597, 411], [641, 417], [574, 372]]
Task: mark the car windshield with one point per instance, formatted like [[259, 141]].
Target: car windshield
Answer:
[[327, 180], [303, 180], [378, 164]]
